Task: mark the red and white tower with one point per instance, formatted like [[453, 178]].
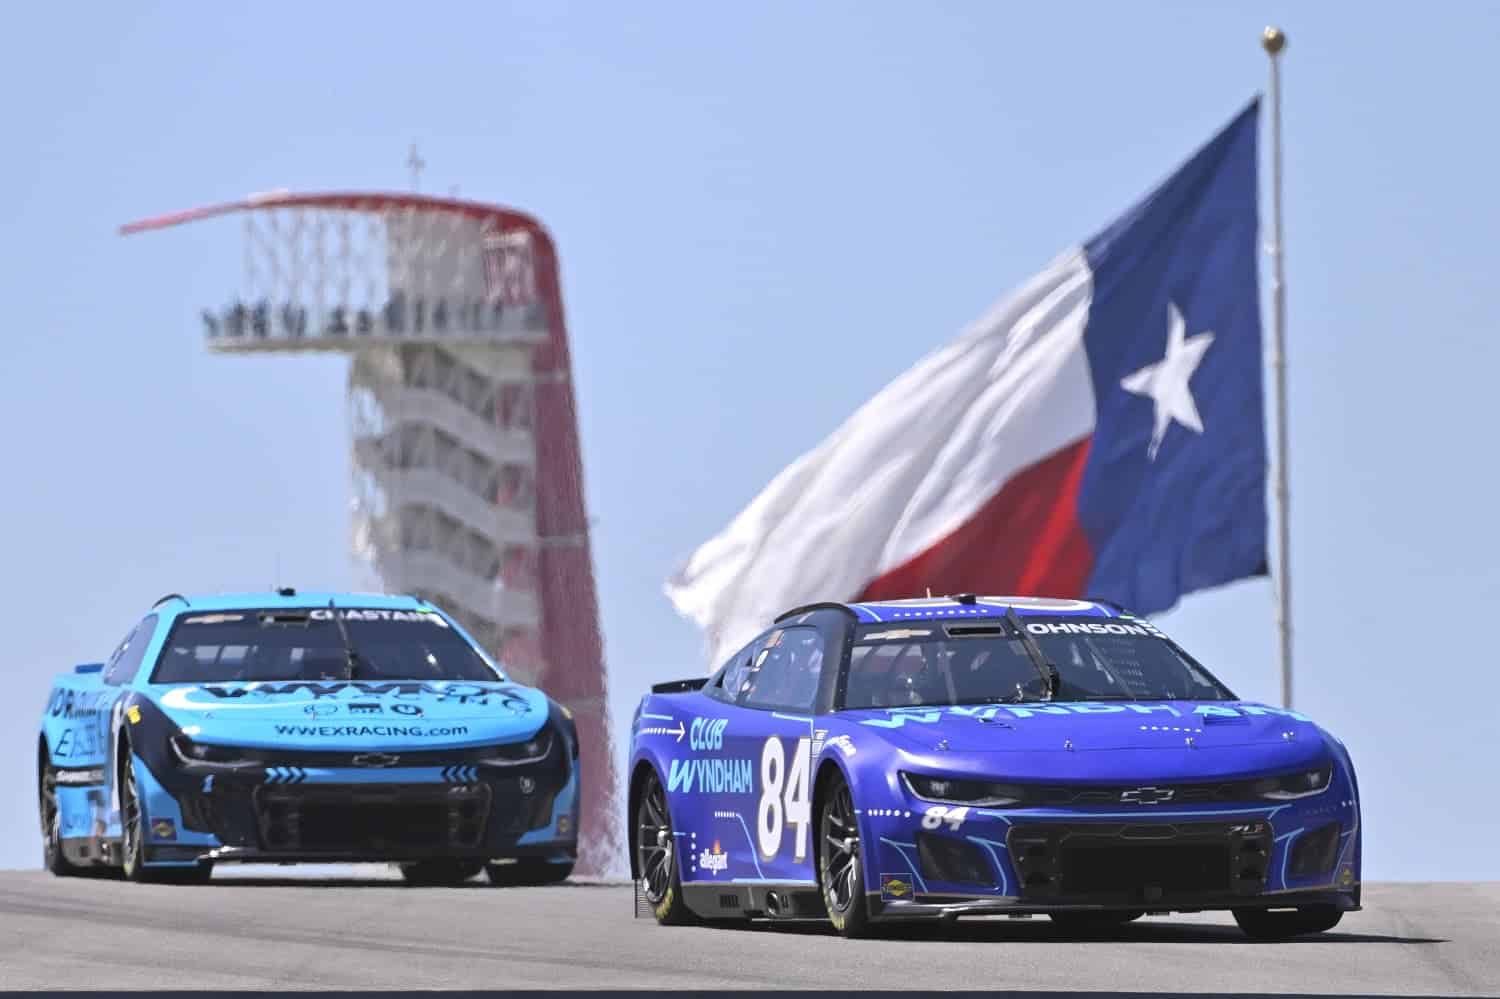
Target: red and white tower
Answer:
[[464, 436]]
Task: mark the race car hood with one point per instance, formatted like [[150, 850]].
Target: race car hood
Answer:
[[1101, 737], [359, 714]]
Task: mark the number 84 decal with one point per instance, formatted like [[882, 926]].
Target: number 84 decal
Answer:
[[938, 815], [784, 798]]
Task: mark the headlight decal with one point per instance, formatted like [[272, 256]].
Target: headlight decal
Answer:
[[954, 791], [515, 754], [1300, 784]]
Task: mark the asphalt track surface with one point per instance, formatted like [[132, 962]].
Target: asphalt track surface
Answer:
[[251, 930]]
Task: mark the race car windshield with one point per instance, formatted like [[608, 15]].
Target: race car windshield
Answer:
[[246, 645], [936, 663]]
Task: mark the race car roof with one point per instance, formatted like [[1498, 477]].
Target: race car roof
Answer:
[[964, 605], [175, 602]]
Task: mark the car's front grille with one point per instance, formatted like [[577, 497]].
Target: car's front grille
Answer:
[[1117, 868], [364, 819], [1137, 862], [318, 817]]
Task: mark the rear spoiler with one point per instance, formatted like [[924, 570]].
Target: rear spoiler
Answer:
[[679, 686]]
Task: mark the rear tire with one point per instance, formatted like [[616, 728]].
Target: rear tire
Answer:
[[1264, 924], [656, 856], [53, 858], [528, 871], [1094, 922], [841, 874], [434, 873]]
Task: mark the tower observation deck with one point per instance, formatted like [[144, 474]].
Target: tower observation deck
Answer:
[[467, 472]]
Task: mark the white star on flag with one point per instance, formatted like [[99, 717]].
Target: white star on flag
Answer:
[[1165, 383]]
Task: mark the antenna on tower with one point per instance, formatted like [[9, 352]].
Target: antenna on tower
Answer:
[[415, 164]]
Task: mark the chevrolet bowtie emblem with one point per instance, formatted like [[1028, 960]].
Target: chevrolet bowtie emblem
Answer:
[[1147, 795]]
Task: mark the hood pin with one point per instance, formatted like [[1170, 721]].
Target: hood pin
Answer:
[[1068, 745], [1191, 742]]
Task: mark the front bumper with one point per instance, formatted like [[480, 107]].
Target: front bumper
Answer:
[[291, 813], [927, 860]]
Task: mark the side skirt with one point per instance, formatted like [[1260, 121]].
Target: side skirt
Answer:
[[731, 900], [89, 851]]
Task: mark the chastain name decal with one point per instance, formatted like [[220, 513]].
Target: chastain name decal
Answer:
[[712, 776], [324, 614], [357, 614]]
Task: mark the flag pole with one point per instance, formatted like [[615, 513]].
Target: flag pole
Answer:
[[1273, 40]]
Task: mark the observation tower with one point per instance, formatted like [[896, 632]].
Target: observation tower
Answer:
[[467, 471]]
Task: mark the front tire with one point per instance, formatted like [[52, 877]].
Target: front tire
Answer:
[[132, 824], [528, 871], [841, 874], [656, 856], [133, 838], [1265, 924], [433, 873]]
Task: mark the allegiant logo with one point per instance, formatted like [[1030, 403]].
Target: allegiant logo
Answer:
[[715, 860]]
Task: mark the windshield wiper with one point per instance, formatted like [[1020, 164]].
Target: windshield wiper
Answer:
[[1016, 698], [351, 657], [1051, 678]]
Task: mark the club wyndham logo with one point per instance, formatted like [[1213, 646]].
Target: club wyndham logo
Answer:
[[714, 860]]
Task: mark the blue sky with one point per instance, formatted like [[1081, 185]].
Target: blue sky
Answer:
[[764, 213]]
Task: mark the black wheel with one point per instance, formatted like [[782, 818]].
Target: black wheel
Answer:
[[132, 825], [133, 839], [1281, 924], [440, 872], [656, 856], [1094, 922], [52, 851], [840, 873], [528, 871]]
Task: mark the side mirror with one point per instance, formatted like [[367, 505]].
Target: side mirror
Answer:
[[89, 668]]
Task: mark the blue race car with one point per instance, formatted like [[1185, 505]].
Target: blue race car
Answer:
[[984, 755], [285, 727]]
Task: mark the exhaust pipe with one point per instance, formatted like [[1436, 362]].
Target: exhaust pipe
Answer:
[[775, 905]]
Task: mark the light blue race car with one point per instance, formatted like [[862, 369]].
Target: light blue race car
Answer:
[[305, 727]]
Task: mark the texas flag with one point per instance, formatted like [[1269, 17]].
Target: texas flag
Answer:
[[1098, 433]]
